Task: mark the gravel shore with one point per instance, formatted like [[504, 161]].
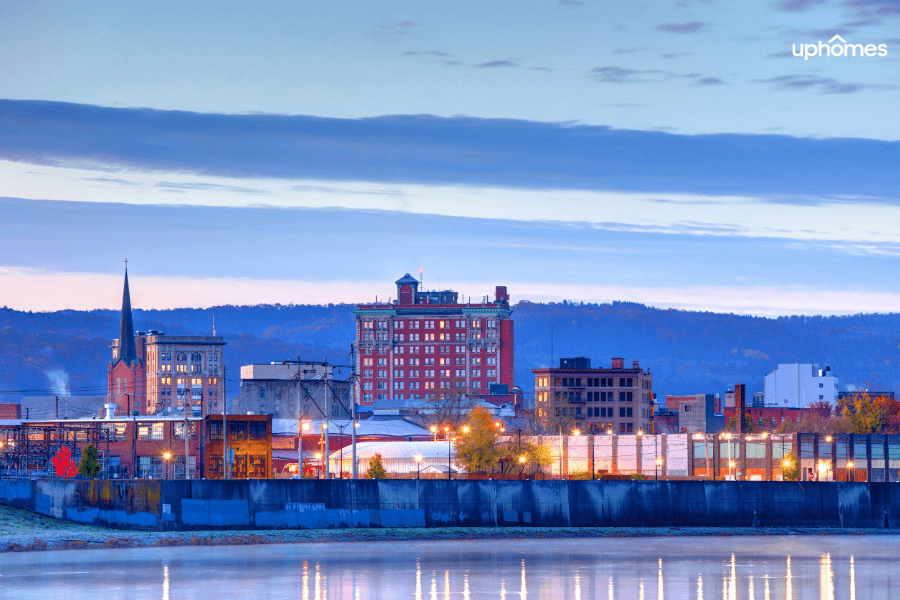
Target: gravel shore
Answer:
[[24, 531]]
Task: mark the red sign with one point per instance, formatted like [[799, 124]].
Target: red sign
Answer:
[[63, 463]]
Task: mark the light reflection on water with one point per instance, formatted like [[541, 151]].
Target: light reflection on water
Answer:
[[790, 567]]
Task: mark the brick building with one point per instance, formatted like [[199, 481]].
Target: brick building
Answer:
[[697, 412], [617, 399], [153, 373], [138, 447], [427, 343], [291, 391]]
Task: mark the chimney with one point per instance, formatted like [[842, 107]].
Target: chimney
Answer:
[[635, 365], [500, 294], [740, 406], [110, 409], [618, 363]]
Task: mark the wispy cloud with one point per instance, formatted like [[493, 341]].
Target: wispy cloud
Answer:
[[798, 5], [611, 74], [436, 150], [692, 27], [395, 28], [496, 63], [426, 53], [708, 81], [821, 85], [112, 180], [571, 3], [183, 187]]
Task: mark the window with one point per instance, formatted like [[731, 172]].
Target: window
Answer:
[[625, 411], [821, 385], [476, 373], [382, 385], [367, 362], [257, 430], [237, 430], [192, 431], [382, 372], [382, 362]]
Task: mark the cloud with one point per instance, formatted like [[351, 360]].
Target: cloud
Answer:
[[571, 3], [624, 105], [676, 54], [630, 50], [496, 63], [692, 27], [821, 85], [396, 28], [619, 75], [426, 53], [170, 186], [112, 180], [709, 81], [872, 12], [397, 149], [798, 5], [785, 54]]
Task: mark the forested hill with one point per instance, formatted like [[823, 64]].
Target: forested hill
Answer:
[[688, 352]]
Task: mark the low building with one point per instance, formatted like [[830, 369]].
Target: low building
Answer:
[[290, 391], [768, 418], [799, 385], [697, 413], [145, 447], [575, 396]]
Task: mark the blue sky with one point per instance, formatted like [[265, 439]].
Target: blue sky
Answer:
[[675, 153]]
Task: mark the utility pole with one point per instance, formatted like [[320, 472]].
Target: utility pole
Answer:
[[327, 450], [354, 470], [186, 449], [226, 471]]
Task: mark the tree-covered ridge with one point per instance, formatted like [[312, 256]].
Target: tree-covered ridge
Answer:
[[687, 352]]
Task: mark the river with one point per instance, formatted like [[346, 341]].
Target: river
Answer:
[[657, 568]]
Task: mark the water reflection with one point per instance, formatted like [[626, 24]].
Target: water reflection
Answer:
[[663, 568]]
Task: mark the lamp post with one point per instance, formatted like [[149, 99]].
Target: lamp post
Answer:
[[167, 456], [434, 430], [318, 458], [449, 449], [521, 466], [850, 471], [303, 426], [418, 465], [658, 463]]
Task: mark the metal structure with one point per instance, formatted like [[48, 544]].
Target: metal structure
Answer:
[[26, 451]]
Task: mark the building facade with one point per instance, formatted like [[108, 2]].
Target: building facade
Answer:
[[153, 373], [697, 413], [428, 343], [291, 391], [617, 399], [799, 385]]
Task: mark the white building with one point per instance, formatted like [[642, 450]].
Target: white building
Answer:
[[799, 385]]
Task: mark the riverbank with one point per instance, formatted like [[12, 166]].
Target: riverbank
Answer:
[[24, 531]]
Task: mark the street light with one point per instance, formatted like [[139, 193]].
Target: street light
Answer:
[[418, 458], [167, 456], [521, 466], [449, 449], [576, 432], [304, 426], [434, 430], [850, 471], [318, 456], [658, 464]]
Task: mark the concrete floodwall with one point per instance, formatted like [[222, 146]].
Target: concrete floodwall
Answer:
[[291, 504]]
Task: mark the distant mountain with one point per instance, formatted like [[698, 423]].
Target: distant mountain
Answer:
[[688, 352]]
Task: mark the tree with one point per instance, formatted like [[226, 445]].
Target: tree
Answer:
[[790, 467], [449, 408], [540, 455], [376, 469], [309, 471], [89, 466], [477, 448]]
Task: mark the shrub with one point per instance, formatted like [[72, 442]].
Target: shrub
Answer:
[[89, 466], [376, 469]]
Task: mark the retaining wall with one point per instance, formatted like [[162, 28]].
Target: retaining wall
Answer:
[[277, 504]]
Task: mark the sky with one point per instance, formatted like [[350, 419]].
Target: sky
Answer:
[[675, 153]]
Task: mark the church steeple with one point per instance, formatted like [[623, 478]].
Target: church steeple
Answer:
[[126, 327]]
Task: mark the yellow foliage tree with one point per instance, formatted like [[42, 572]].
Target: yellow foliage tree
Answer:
[[477, 447]]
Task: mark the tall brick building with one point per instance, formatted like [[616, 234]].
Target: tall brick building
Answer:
[[426, 343], [154, 373], [574, 396]]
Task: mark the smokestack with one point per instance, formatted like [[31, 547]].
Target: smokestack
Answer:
[[110, 409]]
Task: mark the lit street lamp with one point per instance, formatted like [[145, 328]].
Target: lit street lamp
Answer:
[[850, 471], [521, 466], [418, 464], [434, 430], [167, 456], [658, 464]]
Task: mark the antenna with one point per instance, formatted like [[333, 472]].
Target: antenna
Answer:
[[422, 278], [214, 325]]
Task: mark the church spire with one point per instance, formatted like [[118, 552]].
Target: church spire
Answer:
[[126, 327]]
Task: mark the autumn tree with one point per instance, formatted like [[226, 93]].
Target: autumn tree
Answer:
[[376, 469], [477, 446], [89, 465], [790, 467]]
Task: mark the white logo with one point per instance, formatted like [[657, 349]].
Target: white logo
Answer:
[[842, 49]]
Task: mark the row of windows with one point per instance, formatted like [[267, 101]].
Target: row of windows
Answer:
[[370, 324], [238, 430], [591, 382], [490, 349], [415, 385]]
